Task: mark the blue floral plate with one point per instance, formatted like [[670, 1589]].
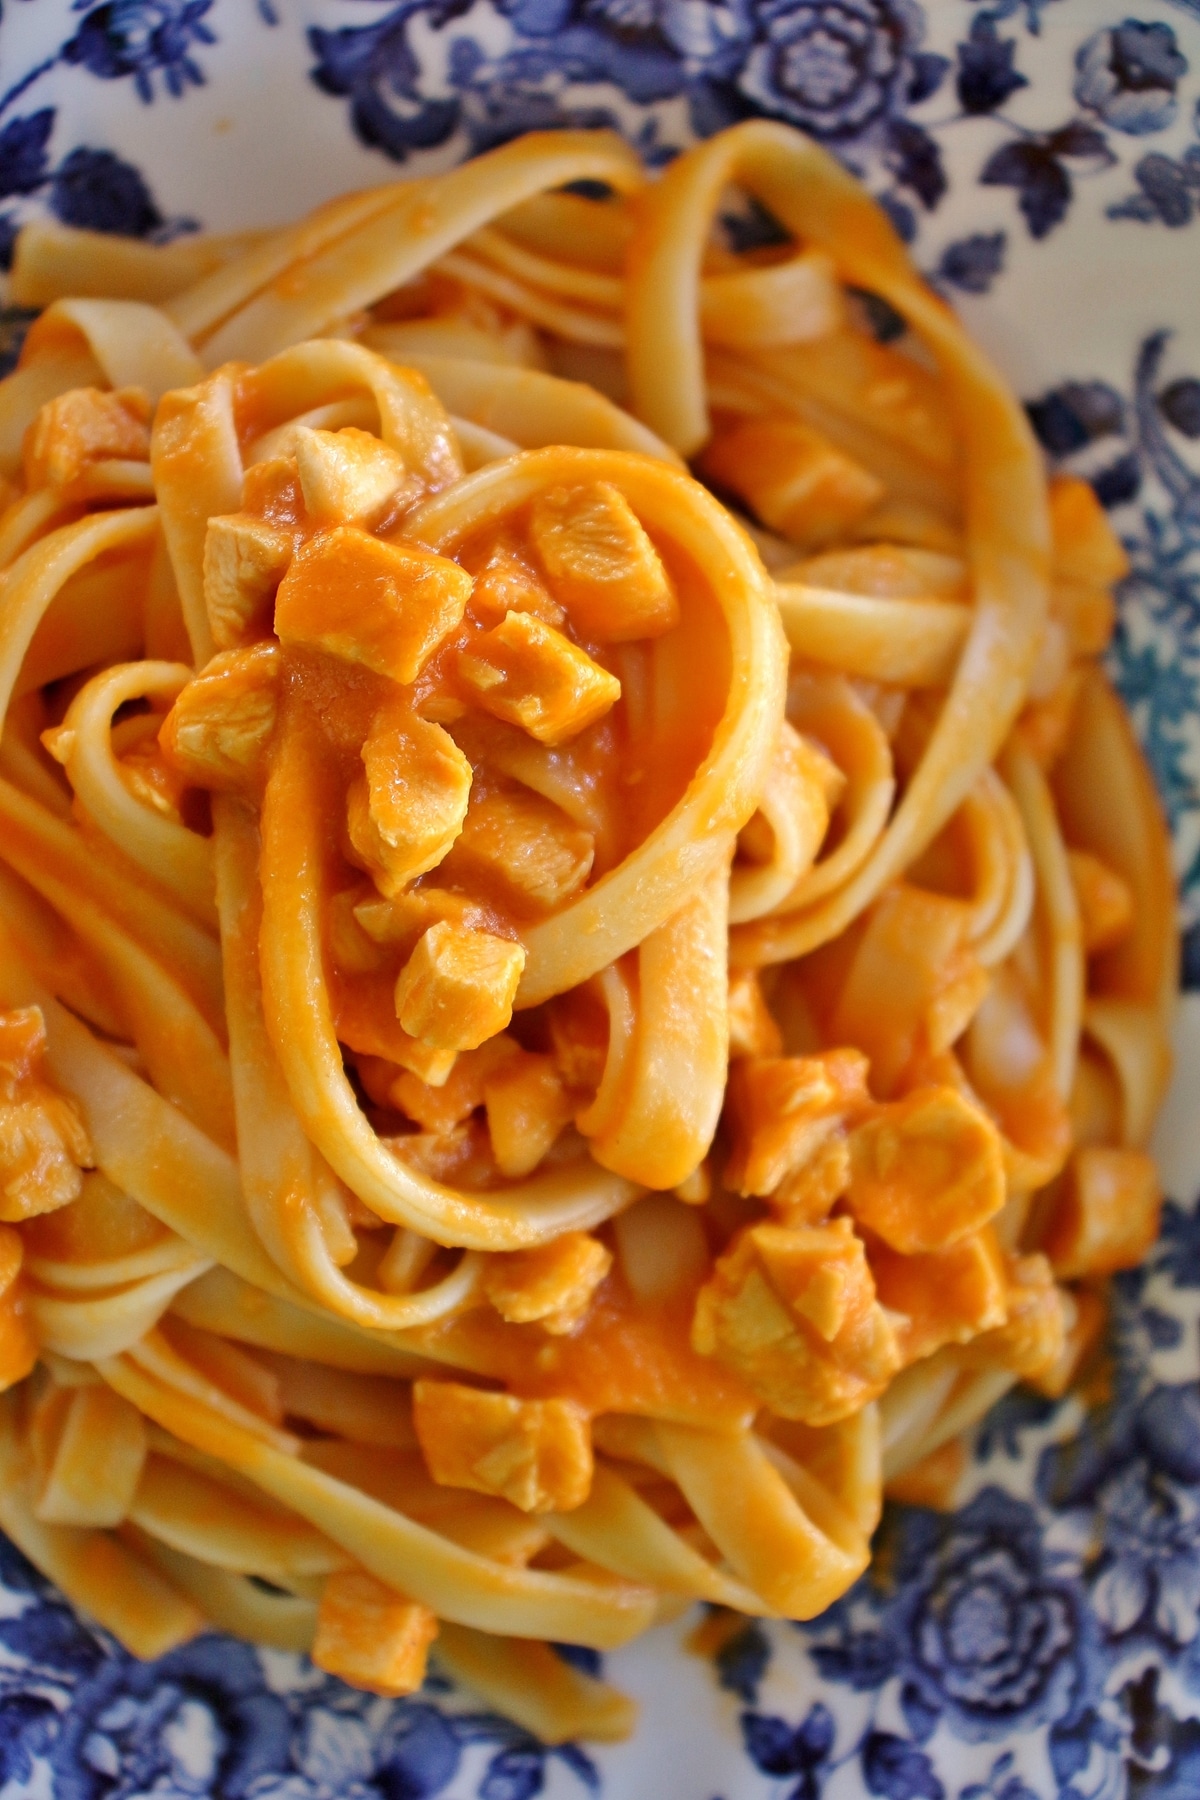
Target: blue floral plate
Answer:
[[1043, 158]]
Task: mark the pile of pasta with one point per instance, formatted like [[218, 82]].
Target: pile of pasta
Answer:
[[586, 952]]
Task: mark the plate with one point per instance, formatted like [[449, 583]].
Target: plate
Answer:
[[1043, 159]]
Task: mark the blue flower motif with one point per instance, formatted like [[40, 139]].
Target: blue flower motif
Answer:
[[1128, 75], [988, 1638], [1149, 1569], [833, 67], [140, 37], [23, 152]]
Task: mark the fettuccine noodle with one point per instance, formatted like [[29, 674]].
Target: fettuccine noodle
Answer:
[[564, 1019]]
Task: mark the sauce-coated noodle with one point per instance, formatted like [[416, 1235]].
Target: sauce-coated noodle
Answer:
[[542, 1064]]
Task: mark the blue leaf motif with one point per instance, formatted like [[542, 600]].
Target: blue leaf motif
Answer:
[[140, 38], [23, 145], [915, 159], [1076, 414], [986, 76], [96, 190], [1179, 403], [973, 263], [1168, 1431], [1119, 483], [1040, 179], [419, 1754], [864, 1660], [897, 1770], [742, 1661]]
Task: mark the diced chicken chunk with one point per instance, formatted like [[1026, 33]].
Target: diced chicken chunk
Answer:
[[245, 559], [348, 477], [528, 674], [370, 1635], [552, 1285], [752, 1030], [1084, 1314], [1106, 1215], [795, 480], [784, 1109], [601, 563], [523, 848], [400, 921], [216, 734], [507, 584], [947, 1297], [1105, 901], [527, 1107], [535, 1453], [43, 1144], [441, 1108], [407, 809], [1033, 1339], [792, 1310], [926, 1171], [1086, 548], [387, 606], [84, 426], [457, 988]]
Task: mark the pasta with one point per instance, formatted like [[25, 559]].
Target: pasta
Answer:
[[566, 1019]]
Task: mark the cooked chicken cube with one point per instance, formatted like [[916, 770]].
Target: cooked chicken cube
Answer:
[[370, 1635], [926, 1171], [443, 1107], [507, 584], [84, 426], [601, 563], [387, 606], [1032, 1342], [784, 1109], [528, 674], [792, 1310], [527, 1107], [1106, 1214], [245, 559], [218, 730], [407, 809], [947, 1297], [18, 1346], [535, 1453], [1105, 901], [552, 1285], [43, 1144], [347, 477], [524, 848], [458, 986], [794, 479], [400, 921], [752, 1030], [1084, 1317]]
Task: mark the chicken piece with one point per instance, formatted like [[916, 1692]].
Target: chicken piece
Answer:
[[806, 1194], [1106, 1214], [147, 774], [400, 921], [1086, 549], [370, 1635], [387, 606], [794, 479], [1033, 1341], [601, 564], [441, 1108], [458, 986], [43, 1144], [18, 1346], [1084, 1313], [92, 1458], [552, 1285], [535, 1453], [926, 1171], [527, 1107], [348, 477], [523, 848], [528, 674], [793, 1312], [752, 1030], [1105, 901], [507, 584], [217, 733], [784, 1109], [408, 808], [85, 426], [271, 491], [460, 1157], [245, 559], [947, 1297]]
